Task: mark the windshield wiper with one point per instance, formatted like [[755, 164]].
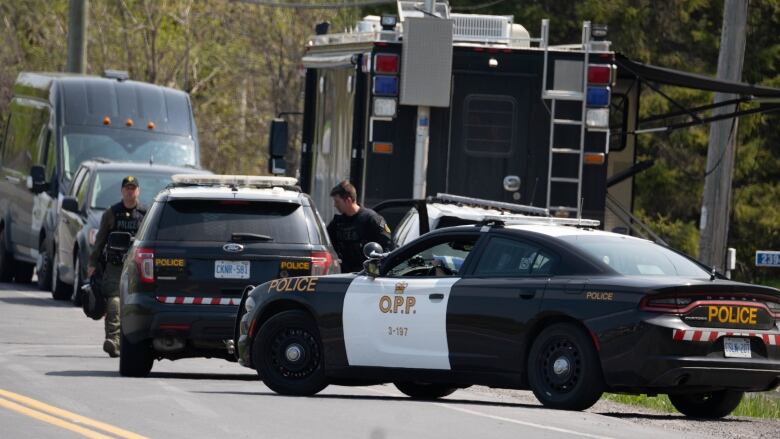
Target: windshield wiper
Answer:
[[241, 236]]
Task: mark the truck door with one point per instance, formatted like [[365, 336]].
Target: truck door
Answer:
[[490, 134]]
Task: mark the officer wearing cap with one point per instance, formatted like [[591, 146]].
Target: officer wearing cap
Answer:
[[124, 216], [354, 227]]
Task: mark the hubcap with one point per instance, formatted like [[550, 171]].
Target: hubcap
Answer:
[[561, 366], [294, 352]]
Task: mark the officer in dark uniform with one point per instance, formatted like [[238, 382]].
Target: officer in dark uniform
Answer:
[[355, 227], [124, 216]]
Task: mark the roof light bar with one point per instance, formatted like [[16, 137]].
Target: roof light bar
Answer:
[[491, 204], [233, 180], [516, 220]]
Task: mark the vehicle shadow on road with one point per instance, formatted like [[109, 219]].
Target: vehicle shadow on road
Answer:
[[383, 398], [37, 301], [669, 417], [163, 375]]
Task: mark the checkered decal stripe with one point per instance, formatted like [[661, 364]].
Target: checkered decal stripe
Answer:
[[182, 300], [707, 336]]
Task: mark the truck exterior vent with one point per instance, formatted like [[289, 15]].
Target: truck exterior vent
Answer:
[[481, 28]]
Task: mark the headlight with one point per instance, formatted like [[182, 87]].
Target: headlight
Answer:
[[91, 235], [249, 305]]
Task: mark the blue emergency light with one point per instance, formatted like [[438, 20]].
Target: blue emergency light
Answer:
[[598, 97], [385, 85]]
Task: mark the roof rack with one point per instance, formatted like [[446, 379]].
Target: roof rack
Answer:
[[235, 181], [510, 220], [499, 205]]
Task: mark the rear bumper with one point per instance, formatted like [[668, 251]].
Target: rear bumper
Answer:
[[203, 327], [653, 356]]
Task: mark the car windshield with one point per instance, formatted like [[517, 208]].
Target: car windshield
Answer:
[[219, 220], [634, 257], [84, 143], [107, 187]]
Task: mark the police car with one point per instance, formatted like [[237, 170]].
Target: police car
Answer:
[[203, 240], [525, 303]]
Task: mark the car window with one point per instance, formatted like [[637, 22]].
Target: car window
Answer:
[[217, 220], [409, 222], [108, 187], [636, 257], [509, 257], [439, 259], [81, 195], [84, 143], [79, 178]]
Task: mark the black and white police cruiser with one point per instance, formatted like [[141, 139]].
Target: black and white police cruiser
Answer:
[[526, 303]]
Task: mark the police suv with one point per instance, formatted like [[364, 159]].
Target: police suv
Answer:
[[526, 303], [203, 240]]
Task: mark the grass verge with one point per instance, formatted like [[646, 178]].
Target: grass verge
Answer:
[[754, 405]]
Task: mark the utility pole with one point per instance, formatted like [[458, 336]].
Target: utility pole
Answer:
[[716, 206], [77, 36]]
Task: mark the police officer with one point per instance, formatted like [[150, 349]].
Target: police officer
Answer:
[[124, 216], [354, 227]]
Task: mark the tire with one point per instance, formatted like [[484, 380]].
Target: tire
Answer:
[[75, 295], [564, 370], [44, 267], [427, 391], [23, 272], [711, 405], [6, 260], [59, 290], [135, 359], [280, 338]]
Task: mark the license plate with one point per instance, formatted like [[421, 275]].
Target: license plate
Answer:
[[736, 347], [231, 269]]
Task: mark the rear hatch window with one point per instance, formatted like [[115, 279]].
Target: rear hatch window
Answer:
[[219, 220]]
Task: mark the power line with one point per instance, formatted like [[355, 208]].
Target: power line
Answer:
[[313, 5]]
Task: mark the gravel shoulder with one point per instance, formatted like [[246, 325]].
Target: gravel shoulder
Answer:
[[732, 427]]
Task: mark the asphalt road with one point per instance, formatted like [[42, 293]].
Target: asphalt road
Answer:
[[55, 381]]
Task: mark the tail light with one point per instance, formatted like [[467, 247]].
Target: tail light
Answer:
[[665, 304], [386, 63], [599, 74], [144, 263], [320, 263]]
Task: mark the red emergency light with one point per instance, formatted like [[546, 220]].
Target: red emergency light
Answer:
[[386, 63], [599, 74]]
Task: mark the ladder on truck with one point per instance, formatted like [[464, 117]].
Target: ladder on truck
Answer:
[[568, 185]]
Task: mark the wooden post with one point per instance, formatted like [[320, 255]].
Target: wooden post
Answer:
[[716, 206]]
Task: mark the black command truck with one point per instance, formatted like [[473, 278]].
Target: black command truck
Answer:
[[412, 105], [55, 122], [201, 243]]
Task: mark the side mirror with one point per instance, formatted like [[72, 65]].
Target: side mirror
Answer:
[[372, 250], [371, 267], [36, 181], [70, 204], [119, 242]]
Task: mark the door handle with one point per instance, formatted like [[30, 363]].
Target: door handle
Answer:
[[436, 296], [526, 294]]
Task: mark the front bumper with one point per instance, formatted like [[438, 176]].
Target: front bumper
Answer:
[[652, 356]]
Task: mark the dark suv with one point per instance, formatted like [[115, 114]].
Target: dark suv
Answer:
[[202, 242]]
